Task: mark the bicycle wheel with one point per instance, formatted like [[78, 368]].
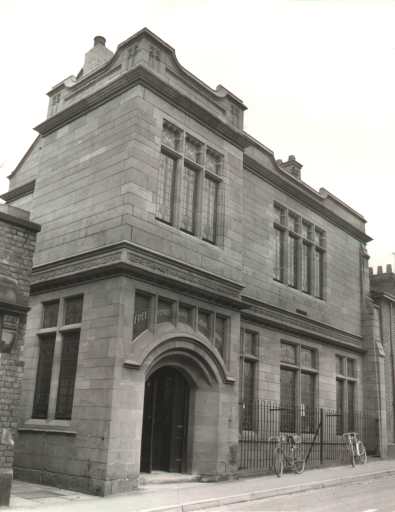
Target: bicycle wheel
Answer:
[[278, 462], [298, 463], [352, 455], [362, 452]]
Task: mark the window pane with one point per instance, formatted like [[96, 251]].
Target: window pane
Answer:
[[203, 321], [288, 353], [307, 358], [164, 207], [212, 162], [306, 230], [350, 368], [73, 311], [140, 321], [278, 255], [170, 136], [307, 398], [293, 262], [50, 318], [350, 398], [248, 343], [306, 269], [209, 209], [220, 335], [43, 381], [164, 311], [192, 149], [339, 407], [287, 394], [293, 222], [188, 200], [279, 214], [248, 394], [68, 369], [185, 315], [319, 237], [318, 274], [339, 365]]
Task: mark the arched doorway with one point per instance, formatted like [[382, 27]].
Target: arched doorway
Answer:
[[165, 421]]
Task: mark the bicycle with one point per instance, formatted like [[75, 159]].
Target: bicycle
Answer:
[[356, 448], [295, 459]]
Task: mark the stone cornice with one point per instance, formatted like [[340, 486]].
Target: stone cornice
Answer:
[[293, 324], [300, 192], [19, 192], [129, 259], [141, 75], [13, 309], [12, 219]]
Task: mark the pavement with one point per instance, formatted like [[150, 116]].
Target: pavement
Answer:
[[166, 492]]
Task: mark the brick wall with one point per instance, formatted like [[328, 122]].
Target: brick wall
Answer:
[[18, 236]]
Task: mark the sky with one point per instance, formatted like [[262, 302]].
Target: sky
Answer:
[[317, 76]]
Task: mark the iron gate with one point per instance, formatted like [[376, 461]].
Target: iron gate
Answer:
[[320, 429]]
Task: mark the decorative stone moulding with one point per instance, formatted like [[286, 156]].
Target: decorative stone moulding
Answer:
[[126, 258]]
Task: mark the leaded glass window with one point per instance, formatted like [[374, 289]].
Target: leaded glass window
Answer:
[[170, 136], [339, 365], [287, 394], [68, 369], [73, 311], [350, 404], [293, 222], [339, 407], [209, 209], [43, 379], [141, 314], [249, 343], [188, 200], [306, 230], [288, 353], [278, 254], [212, 161], [163, 312], [164, 206], [307, 402], [192, 149], [319, 287], [292, 262], [203, 323], [307, 358], [306, 268], [51, 311], [185, 315], [319, 237], [220, 335], [279, 214], [350, 368], [248, 394]]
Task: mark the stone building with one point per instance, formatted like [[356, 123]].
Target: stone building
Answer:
[[17, 240], [382, 287], [181, 269]]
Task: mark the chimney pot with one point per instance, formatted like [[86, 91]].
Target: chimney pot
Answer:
[[99, 40], [380, 269], [291, 157], [389, 268], [279, 161]]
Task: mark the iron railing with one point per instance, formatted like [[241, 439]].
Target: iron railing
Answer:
[[320, 429]]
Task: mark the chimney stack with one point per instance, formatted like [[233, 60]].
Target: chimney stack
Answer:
[[97, 56], [292, 166]]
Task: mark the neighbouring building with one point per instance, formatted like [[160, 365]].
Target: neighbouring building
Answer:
[[181, 271], [17, 241], [382, 287]]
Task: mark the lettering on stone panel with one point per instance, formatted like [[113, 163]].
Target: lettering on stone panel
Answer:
[[76, 268], [304, 325], [181, 275]]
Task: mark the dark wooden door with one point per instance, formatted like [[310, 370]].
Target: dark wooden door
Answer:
[[165, 422]]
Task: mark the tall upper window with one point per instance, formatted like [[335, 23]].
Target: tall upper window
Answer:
[[345, 393], [55, 399], [299, 252], [188, 182]]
